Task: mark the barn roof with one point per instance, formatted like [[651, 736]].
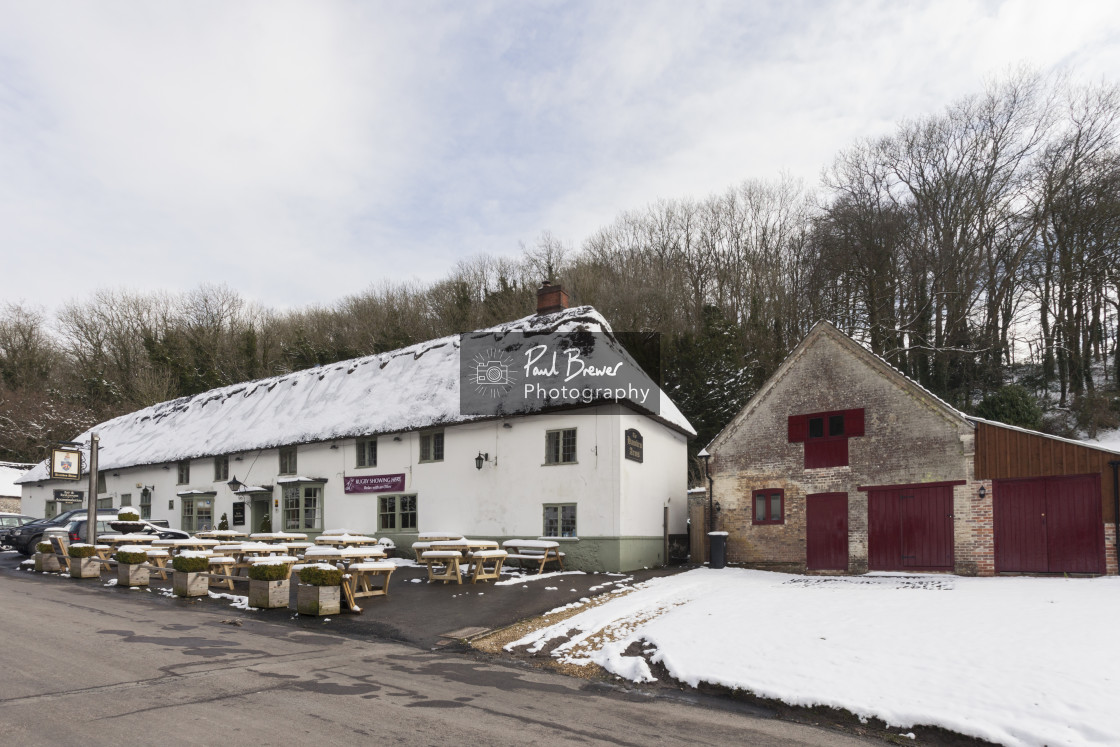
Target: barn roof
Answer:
[[402, 390]]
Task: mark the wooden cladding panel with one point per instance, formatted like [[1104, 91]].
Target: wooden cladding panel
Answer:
[[1006, 454]]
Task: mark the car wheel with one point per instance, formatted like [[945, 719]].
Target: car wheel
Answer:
[[29, 548]]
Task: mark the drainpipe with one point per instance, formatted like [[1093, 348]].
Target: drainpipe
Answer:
[[1116, 506]]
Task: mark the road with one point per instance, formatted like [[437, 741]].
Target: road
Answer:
[[96, 666]]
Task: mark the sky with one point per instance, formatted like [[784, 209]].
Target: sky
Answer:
[[299, 152]]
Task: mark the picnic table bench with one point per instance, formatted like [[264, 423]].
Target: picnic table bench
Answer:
[[443, 565], [539, 552], [486, 564]]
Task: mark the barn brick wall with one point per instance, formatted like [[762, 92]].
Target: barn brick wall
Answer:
[[909, 438], [1110, 549], [9, 505]]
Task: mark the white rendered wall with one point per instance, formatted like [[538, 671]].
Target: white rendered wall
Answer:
[[660, 480]]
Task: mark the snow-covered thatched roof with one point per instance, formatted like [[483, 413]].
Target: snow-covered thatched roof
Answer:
[[402, 390]]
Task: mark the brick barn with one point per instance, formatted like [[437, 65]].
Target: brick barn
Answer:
[[841, 464]]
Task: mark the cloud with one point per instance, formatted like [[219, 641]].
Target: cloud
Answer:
[[302, 151]]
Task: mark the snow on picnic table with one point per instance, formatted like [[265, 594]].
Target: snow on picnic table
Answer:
[[1019, 661]]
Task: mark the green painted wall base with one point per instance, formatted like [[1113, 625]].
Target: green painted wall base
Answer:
[[610, 554]]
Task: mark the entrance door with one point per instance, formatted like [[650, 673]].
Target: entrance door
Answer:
[[826, 532], [257, 513], [1049, 525], [910, 528]]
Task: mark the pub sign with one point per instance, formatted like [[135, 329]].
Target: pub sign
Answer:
[[635, 448], [66, 464]]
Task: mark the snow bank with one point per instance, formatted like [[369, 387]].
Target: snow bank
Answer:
[[1012, 660]]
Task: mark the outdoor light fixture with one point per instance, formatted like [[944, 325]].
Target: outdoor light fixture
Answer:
[[480, 459], [167, 466], [334, 446], [116, 474], [234, 484], [506, 425], [983, 492], [396, 438]]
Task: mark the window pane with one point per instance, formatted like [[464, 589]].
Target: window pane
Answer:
[[567, 521], [775, 507], [291, 507], [551, 448], [569, 454], [312, 505], [388, 512], [551, 521], [126, 499], [437, 447], [816, 427], [145, 504], [408, 512], [760, 508], [836, 425]]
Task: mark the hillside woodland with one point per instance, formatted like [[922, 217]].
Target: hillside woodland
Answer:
[[977, 249]]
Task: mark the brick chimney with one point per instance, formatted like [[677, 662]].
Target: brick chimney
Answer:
[[551, 298]]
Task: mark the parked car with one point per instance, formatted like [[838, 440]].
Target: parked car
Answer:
[[24, 538], [158, 527], [9, 523]]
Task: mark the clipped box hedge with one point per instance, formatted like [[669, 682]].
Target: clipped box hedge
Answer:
[[125, 515], [82, 551], [318, 575], [268, 572], [45, 547], [131, 558], [185, 564]]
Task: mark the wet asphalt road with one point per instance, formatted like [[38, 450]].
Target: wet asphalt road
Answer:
[[105, 665]]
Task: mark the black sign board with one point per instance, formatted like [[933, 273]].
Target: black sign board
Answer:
[[635, 448], [238, 514], [69, 496]]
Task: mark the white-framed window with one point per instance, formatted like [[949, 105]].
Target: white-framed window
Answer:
[[198, 514], [184, 471], [559, 520], [221, 468], [101, 482], [145, 504], [303, 507], [560, 446], [287, 460], [106, 502], [397, 513], [126, 499], [431, 447], [367, 452]]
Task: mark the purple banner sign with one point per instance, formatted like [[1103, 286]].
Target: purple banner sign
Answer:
[[374, 483]]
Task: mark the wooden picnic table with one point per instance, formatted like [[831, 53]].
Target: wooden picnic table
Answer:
[[177, 546], [539, 552], [443, 565], [345, 540], [486, 564], [437, 536], [222, 534], [277, 536], [128, 539]]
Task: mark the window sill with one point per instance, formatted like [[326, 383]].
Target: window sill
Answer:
[[365, 466], [559, 539], [767, 523], [557, 464]]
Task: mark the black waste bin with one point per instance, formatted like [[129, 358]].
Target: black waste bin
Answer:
[[718, 542]]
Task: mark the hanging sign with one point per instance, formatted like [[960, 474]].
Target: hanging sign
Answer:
[[635, 447], [374, 483], [238, 514], [66, 464]]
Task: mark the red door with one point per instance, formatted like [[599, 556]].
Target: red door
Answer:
[[910, 529], [826, 532], [1049, 525]]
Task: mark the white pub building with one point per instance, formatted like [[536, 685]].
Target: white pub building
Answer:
[[540, 427]]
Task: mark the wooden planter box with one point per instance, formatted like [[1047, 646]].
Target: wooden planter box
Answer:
[[132, 574], [269, 594], [85, 568], [190, 584], [318, 600], [47, 562]]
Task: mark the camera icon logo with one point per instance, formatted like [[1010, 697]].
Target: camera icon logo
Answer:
[[492, 375]]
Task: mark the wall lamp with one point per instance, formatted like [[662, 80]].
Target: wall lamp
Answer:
[[481, 459], [983, 492]]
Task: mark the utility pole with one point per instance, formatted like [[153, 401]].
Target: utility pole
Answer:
[[91, 512]]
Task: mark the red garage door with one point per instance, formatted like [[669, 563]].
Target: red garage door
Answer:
[[910, 528], [1049, 525], [826, 532]]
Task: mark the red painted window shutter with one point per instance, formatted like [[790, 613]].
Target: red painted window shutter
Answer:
[[853, 423], [797, 428], [826, 453]]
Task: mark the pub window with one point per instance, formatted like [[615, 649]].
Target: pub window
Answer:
[[221, 468], [288, 460], [198, 514], [145, 504], [126, 499], [106, 502], [769, 506], [303, 507], [397, 513], [101, 482], [560, 446], [184, 471], [431, 447], [559, 520], [367, 452]]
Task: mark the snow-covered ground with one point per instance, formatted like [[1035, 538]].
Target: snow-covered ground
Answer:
[[1013, 660]]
